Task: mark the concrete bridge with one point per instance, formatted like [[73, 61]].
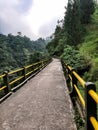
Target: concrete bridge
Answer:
[[43, 103]]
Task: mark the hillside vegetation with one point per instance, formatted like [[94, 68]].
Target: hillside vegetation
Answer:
[[75, 39], [89, 48], [18, 51]]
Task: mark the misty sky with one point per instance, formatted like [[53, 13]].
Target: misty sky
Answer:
[[34, 18]]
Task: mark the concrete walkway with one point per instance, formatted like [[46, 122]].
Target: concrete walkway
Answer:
[[42, 103]]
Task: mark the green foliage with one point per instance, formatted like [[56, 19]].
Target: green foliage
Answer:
[[74, 58], [79, 121], [59, 49], [78, 12], [37, 56], [18, 51], [55, 47], [89, 48], [40, 45], [87, 9], [72, 30], [72, 24], [80, 29]]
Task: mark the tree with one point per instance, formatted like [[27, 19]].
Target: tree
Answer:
[[72, 24], [55, 42], [19, 33], [87, 9]]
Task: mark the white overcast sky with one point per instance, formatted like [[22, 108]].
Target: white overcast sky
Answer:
[[34, 18]]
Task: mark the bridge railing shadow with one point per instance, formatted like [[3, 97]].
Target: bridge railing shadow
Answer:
[[84, 96], [11, 81]]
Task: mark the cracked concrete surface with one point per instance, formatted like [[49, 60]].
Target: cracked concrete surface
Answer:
[[42, 103]]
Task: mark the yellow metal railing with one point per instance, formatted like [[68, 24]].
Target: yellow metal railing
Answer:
[[15, 71], [94, 95], [12, 79], [94, 123], [80, 96], [16, 80], [1, 76], [78, 77], [2, 88], [89, 98]]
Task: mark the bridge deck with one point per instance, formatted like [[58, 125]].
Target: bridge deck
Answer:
[[42, 103]]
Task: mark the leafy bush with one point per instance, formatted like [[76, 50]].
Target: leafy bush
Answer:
[[72, 57]]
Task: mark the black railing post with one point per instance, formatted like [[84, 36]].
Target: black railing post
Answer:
[[90, 105], [42, 64], [6, 82], [74, 82], [24, 73]]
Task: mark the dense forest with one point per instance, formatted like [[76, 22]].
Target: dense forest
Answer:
[[18, 51], [75, 39]]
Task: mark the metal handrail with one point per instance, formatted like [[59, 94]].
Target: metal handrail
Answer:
[[80, 96], [90, 94], [26, 73], [94, 95]]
